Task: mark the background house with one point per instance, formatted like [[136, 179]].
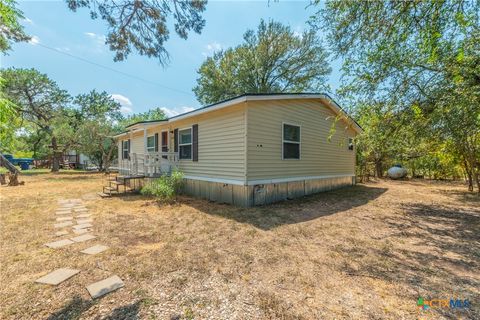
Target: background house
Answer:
[[248, 150]]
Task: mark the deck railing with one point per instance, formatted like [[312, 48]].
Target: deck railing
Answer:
[[149, 164]]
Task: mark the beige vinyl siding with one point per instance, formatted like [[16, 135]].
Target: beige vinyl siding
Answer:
[[221, 144], [318, 156], [136, 144]]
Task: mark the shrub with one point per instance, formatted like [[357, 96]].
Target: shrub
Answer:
[[165, 188]]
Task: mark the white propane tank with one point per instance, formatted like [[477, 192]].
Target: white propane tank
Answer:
[[396, 172]]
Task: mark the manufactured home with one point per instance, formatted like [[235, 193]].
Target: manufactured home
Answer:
[[250, 150]]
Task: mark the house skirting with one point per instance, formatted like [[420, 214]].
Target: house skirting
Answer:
[[265, 193]]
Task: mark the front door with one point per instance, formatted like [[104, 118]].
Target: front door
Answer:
[[165, 142]]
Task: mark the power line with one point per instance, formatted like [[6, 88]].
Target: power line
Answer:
[[112, 69]]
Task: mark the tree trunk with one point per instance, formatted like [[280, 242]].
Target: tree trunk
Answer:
[[13, 180], [379, 168], [469, 174], [55, 158]]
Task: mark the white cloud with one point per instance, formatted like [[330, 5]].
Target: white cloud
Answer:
[[211, 48], [34, 40], [90, 34], [27, 20], [171, 112], [125, 103]]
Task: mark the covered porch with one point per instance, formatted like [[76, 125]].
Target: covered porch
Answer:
[[147, 149], [150, 164]]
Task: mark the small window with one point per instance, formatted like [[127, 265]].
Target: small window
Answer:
[[151, 144], [185, 144], [291, 141], [125, 149], [350, 143]]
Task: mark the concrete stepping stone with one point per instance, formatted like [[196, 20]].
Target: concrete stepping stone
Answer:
[[82, 231], [82, 226], [60, 219], [83, 238], [103, 287], [57, 276], [95, 249], [63, 212], [61, 233], [84, 215], [63, 224], [59, 243], [83, 221]]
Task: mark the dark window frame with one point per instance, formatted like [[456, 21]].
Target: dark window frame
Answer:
[[291, 142]]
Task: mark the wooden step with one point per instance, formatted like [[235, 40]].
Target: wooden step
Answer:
[[104, 195], [110, 189], [118, 183]]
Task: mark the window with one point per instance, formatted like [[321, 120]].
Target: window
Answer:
[[350, 143], [125, 149], [164, 141], [185, 143], [291, 141], [151, 144]]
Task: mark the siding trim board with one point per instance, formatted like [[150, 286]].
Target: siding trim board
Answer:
[[218, 180], [294, 179]]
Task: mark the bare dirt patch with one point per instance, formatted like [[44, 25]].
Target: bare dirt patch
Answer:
[[367, 251]]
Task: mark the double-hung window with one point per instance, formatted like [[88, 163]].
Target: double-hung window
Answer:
[[185, 144], [291, 141], [350, 144], [125, 149], [151, 144]]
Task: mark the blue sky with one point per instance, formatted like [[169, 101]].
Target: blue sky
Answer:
[[51, 23]]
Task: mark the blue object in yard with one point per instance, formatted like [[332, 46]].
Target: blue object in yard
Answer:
[[24, 165], [9, 157]]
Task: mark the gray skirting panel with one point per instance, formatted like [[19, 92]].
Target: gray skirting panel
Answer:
[[262, 194]]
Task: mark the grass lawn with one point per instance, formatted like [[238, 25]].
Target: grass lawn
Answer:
[[364, 252]]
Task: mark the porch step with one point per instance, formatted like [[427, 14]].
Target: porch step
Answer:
[[104, 195], [109, 188], [118, 183]]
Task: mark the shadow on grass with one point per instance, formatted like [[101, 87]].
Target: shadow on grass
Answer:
[[126, 312], [293, 211], [36, 172], [72, 310], [443, 263], [77, 306]]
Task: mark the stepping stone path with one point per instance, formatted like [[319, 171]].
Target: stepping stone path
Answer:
[[57, 276], [59, 243], [81, 231], [63, 224], [103, 287], [83, 238], [64, 219], [83, 225], [95, 249]]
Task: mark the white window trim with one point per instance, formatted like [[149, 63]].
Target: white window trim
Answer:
[[299, 142], [148, 148], [168, 140], [185, 144], [124, 143]]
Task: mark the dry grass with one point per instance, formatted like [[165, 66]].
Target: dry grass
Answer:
[[365, 252]]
